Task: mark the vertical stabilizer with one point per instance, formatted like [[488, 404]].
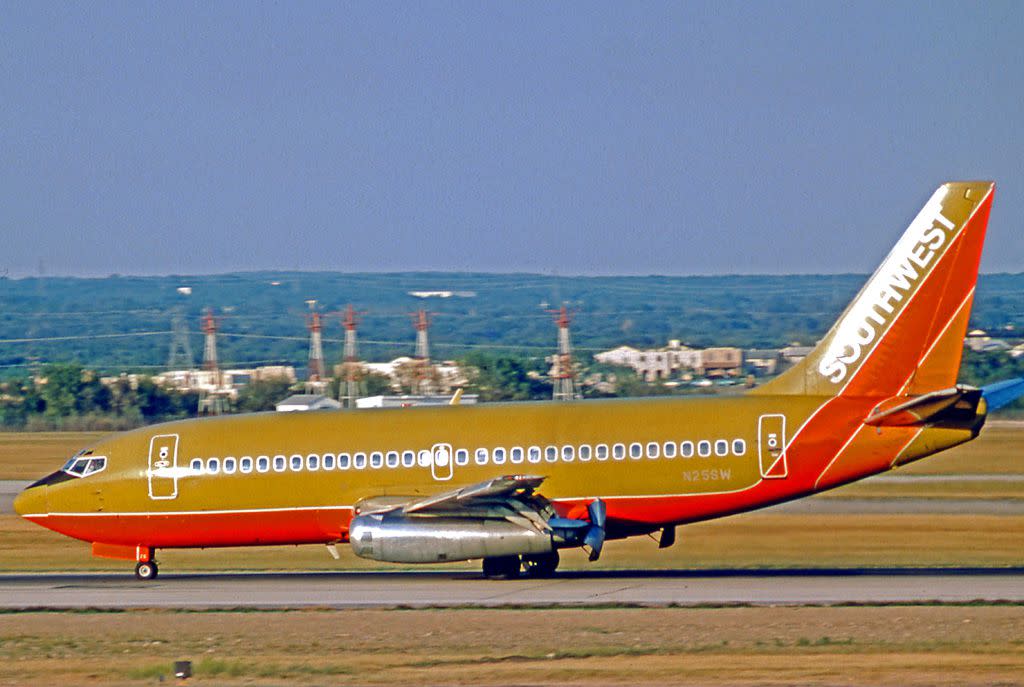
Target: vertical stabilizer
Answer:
[[904, 331]]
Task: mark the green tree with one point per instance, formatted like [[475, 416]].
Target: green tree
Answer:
[[502, 378], [262, 395]]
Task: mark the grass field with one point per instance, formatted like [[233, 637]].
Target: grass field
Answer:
[[927, 645]]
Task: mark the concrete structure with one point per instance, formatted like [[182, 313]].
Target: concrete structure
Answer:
[[408, 401], [301, 402]]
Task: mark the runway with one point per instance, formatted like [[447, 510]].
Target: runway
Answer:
[[439, 589]]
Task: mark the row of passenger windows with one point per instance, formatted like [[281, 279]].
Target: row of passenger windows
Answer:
[[481, 456]]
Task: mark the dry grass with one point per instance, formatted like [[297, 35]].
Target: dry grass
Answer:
[[735, 646], [31, 455], [744, 541]]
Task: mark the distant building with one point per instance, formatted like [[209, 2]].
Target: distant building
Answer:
[[794, 353], [979, 341], [664, 363], [762, 361], [722, 361], [301, 402]]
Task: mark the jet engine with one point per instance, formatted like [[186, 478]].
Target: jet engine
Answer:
[[408, 539]]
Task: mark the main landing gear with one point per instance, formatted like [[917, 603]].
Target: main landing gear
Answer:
[[146, 570], [509, 567]]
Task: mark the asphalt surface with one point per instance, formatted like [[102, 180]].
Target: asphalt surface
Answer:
[[439, 589]]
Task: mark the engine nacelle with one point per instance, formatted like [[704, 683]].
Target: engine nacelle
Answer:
[[398, 539]]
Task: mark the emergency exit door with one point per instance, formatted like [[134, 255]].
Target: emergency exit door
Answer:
[[163, 466], [771, 446]]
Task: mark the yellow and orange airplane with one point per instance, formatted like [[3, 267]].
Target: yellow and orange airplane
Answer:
[[513, 483]]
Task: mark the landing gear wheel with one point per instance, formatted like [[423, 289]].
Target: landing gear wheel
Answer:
[[541, 564], [146, 570], [502, 567]]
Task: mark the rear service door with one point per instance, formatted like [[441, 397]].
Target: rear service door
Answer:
[[163, 466], [771, 446]]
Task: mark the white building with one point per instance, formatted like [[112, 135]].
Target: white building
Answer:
[[301, 402]]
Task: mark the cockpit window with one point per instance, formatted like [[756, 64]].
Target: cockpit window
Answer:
[[83, 466]]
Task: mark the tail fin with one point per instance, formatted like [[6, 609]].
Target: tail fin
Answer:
[[903, 333]]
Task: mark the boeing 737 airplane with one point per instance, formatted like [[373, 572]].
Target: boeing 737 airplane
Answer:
[[511, 484]]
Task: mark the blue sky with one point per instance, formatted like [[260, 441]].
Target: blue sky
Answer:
[[568, 138]]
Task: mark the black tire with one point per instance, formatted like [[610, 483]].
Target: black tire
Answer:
[[146, 570], [541, 564], [502, 567]]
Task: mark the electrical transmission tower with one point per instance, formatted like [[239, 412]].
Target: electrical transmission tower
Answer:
[[563, 373], [180, 357], [351, 367], [212, 402], [314, 323], [422, 384]]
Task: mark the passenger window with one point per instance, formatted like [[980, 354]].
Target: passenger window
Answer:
[[517, 454], [312, 462], [499, 456], [359, 461], [721, 447], [461, 457], [636, 451], [262, 463], [653, 449], [392, 459], [481, 456], [425, 459], [279, 463], [213, 466], [619, 451], [739, 447], [585, 452], [196, 465], [245, 464], [328, 461], [670, 449], [376, 459], [551, 454], [408, 459], [296, 463], [568, 453], [344, 461], [229, 466], [704, 448], [686, 449], [602, 451], [534, 454]]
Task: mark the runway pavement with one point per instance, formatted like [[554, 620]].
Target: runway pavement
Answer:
[[440, 589]]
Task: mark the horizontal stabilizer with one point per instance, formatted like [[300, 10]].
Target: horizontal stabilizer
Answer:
[[1003, 393], [903, 411]]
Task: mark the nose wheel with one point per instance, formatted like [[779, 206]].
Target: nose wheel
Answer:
[[146, 570]]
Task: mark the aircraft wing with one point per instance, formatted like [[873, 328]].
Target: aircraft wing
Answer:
[[477, 494]]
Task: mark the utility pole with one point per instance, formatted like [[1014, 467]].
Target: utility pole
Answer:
[[180, 357]]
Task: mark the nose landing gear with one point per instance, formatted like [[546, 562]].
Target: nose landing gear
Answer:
[[146, 570]]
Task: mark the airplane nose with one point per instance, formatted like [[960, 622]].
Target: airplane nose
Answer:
[[31, 501]]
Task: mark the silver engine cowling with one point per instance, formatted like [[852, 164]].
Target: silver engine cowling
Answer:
[[403, 539]]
